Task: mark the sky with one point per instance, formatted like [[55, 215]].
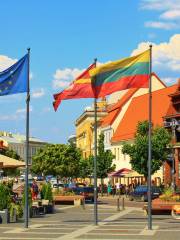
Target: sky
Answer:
[[65, 36]]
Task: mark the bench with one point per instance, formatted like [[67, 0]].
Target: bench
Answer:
[[76, 199]]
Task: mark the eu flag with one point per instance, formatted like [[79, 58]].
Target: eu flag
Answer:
[[14, 79]]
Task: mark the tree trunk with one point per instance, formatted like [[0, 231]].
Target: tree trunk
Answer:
[[102, 187]]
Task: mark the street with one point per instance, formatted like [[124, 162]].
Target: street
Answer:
[[74, 222]]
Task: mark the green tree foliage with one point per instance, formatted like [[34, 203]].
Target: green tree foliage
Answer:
[[104, 159], [138, 151], [5, 196], [58, 160], [85, 167], [10, 153], [46, 192]]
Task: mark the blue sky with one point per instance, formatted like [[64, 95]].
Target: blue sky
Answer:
[[65, 36]]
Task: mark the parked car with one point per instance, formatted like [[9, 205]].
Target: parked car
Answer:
[[87, 192], [141, 193], [58, 185]]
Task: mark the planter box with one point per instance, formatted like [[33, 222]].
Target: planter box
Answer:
[[77, 202], [160, 206], [49, 208], [13, 218], [4, 216], [69, 198]]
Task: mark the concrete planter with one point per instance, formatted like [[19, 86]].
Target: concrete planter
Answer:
[[160, 206], [4, 216], [13, 218]]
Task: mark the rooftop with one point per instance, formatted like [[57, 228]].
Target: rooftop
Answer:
[[138, 111]]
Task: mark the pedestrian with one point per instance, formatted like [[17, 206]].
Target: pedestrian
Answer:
[[126, 190], [117, 188], [109, 189], [113, 190], [35, 190]]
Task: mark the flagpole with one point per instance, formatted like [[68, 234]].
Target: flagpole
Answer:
[[95, 157], [26, 207], [149, 144]]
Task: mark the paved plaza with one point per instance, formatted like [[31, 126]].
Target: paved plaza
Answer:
[[74, 222]]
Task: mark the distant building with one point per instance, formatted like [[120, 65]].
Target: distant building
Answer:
[[17, 143], [85, 127]]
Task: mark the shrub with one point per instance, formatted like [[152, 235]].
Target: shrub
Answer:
[[29, 198], [5, 197], [46, 192], [167, 194]]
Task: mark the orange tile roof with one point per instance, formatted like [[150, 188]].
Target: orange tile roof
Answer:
[[116, 108], [138, 111]]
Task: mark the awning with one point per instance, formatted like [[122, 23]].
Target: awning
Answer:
[[134, 174], [120, 173], [7, 162]]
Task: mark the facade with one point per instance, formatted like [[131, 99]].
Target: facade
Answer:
[[116, 112], [17, 143], [138, 111], [172, 123], [84, 128]]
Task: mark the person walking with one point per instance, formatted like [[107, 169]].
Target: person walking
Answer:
[[35, 190], [109, 189]]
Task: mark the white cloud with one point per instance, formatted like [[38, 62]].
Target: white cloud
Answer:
[[165, 55], [170, 10], [31, 75], [20, 114], [6, 62], [63, 77], [8, 117], [23, 110], [38, 93], [171, 14], [161, 25], [159, 5], [169, 80]]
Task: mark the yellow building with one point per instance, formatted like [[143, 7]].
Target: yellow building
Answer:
[[84, 127]]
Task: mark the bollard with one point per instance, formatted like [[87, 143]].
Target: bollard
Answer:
[[118, 205], [123, 204], [83, 203]]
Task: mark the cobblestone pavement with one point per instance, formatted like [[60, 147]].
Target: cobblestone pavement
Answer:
[[70, 222]]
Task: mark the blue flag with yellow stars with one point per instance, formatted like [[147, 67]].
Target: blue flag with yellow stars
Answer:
[[14, 79]]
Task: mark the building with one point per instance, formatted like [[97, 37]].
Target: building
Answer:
[[138, 111], [84, 127], [172, 123], [116, 112], [17, 143]]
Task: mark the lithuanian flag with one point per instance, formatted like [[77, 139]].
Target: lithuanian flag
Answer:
[[81, 87], [132, 72]]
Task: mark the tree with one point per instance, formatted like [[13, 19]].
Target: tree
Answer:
[[138, 151], [58, 160], [104, 161], [85, 167], [10, 153]]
